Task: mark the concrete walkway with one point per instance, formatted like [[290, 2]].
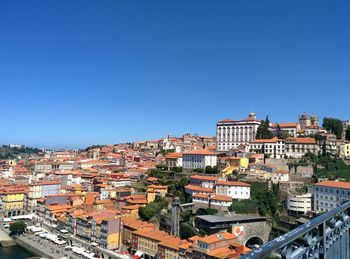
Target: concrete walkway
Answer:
[[5, 240]]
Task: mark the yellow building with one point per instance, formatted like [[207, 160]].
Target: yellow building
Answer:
[[235, 164], [34, 193], [12, 201], [130, 225], [153, 190], [131, 211], [169, 248], [347, 150], [147, 240]]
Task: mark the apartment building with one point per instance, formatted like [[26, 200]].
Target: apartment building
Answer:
[[12, 201], [203, 180], [39, 190], [198, 159], [298, 147], [329, 194], [173, 160], [273, 147]]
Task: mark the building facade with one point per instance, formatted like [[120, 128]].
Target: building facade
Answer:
[[230, 133], [330, 194], [198, 159]]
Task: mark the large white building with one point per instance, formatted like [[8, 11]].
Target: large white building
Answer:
[[230, 133], [299, 204], [198, 159], [235, 190], [330, 194]]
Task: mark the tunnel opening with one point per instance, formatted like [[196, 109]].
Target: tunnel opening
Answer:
[[254, 242]]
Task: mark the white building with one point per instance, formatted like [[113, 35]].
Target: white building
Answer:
[[198, 159], [235, 190], [298, 147], [219, 202], [230, 133], [273, 147], [330, 194], [290, 127], [299, 204], [279, 176], [173, 160]]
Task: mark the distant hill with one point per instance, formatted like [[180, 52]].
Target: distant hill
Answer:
[[7, 152]]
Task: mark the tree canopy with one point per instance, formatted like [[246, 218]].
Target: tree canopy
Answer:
[[186, 231], [347, 133], [18, 227], [333, 125], [263, 131], [153, 208]]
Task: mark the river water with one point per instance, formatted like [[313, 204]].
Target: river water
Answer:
[[14, 252]]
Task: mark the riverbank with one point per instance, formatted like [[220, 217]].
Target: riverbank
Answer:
[[31, 248], [6, 240]]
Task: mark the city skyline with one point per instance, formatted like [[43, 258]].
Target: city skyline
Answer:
[[74, 74]]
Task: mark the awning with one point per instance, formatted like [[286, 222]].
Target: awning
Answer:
[[138, 254]]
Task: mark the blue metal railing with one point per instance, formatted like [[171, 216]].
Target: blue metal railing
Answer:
[[326, 236]]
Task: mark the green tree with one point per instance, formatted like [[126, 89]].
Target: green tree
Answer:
[[281, 134], [347, 133], [263, 131], [153, 208], [211, 170], [333, 125], [186, 231], [18, 227], [162, 166]]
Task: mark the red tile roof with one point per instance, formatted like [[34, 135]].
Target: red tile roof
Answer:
[[334, 184], [233, 183]]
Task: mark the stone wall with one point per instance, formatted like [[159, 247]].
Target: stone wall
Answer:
[[259, 229], [295, 172], [32, 249]]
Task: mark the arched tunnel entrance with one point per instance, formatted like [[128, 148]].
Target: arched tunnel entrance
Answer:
[[254, 242]]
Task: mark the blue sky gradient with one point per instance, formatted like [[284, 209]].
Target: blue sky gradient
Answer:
[[75, 73]]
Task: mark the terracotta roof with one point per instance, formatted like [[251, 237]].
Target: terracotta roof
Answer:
[[199, 152], [153, 234], [216, 238], [233, 183], [301, 140], [273, 140], [173, 155], [173, 243], [198, 188], [137, 224], [285, 125], [204, 177], [221, 198], [334, 184], [200, 195]]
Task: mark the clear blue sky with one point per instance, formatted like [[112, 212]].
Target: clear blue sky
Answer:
[[74, 73]]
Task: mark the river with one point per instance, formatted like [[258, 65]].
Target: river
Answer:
[[14, 252]]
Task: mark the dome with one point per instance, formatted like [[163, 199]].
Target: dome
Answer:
[[252, 115]]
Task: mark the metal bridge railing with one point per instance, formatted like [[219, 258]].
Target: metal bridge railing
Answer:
[[324, 237]]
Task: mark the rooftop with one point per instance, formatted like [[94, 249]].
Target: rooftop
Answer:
[[229, 218]]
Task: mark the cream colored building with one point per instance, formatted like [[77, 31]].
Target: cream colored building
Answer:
[[231, 133]]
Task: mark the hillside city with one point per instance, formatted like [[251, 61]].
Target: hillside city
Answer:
[[185, 197]]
